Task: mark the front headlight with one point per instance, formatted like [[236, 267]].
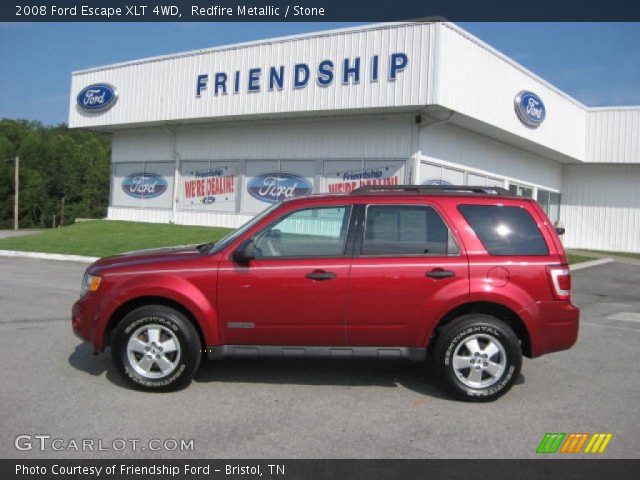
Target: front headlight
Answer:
[[90, 283]]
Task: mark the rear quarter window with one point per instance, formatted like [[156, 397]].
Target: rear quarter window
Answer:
[[505, 230]]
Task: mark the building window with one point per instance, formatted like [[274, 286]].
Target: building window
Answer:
[[432, 174], [208, 186], [520, 190], [406, 230], [550, 203], [343, 176], [271, 181], [143, 184]]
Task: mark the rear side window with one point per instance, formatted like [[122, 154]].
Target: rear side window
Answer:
[[406, 230], [505, 230]]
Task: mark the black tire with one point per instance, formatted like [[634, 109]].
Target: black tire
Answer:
[[170, 324], [484, 329]]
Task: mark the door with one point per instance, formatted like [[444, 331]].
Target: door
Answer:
[[294, 291], [407, 268]]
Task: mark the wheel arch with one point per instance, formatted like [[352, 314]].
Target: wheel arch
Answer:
[[497, 310], [130, 305]]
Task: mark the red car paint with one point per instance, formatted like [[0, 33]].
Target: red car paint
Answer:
[[372, 301]]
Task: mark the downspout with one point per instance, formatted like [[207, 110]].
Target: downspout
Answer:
[[420, 125], [176, 176]]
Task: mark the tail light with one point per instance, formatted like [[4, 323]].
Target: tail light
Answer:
[[560, 279]]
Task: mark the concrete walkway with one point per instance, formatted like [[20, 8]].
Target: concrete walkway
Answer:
[[17, 233], [614, 257]]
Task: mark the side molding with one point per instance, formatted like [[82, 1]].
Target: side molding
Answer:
[[274, 351]]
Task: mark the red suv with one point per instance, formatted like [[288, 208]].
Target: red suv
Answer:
[[469, 277]]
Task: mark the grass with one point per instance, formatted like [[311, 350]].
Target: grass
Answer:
[[618, 254], [101, 238], [573, 258]]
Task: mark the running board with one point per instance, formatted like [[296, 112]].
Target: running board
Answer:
[[273, 351]]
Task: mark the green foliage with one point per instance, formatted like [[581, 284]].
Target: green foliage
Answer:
[[55, 162]]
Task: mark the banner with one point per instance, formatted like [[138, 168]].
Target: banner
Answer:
[[208, 186], [348, 180]]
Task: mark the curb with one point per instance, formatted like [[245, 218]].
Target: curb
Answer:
[[590, 263], [47, 256]]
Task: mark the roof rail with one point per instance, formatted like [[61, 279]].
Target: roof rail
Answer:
[[371, 189]]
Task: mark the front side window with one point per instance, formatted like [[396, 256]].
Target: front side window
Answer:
[[312, 232], [505, 230], [406, 230]]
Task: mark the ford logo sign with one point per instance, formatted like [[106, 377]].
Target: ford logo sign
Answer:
[[208, 200], [97, 97], [144, 185], [275, 187], [530, 109]]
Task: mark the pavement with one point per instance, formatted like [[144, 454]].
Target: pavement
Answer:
[[53, 385]]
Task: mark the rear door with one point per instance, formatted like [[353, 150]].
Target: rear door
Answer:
[[407, 268]]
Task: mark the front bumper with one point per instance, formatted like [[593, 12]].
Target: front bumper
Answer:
[[553, 326], [83, 317]]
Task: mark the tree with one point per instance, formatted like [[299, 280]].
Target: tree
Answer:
[[55, 162]]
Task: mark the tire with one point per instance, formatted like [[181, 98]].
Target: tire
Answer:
[[156, 348], [468, 339]]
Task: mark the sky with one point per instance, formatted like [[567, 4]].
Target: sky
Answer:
[[596, 63]]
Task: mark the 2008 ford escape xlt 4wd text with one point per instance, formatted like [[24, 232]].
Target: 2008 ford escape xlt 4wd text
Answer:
[[469, 278]]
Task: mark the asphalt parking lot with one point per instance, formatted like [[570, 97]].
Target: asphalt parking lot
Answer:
[[52, 384]]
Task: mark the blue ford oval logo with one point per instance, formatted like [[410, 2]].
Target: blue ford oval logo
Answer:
[[275, 187], [208, 200], [530, 109], [97, 97], [144, 185]]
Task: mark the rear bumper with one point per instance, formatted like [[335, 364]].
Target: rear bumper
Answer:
[[553, 326]]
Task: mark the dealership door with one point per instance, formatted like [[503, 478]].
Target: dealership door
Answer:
[[294, 292], [407, 268]]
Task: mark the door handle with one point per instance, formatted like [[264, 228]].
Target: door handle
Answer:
[[321, 275], [440, 273]]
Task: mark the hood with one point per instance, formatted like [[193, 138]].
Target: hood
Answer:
[[142, 257]]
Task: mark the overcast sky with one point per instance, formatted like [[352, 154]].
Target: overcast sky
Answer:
[[597, 63]]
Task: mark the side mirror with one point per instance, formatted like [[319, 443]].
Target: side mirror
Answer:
[[245, 252]]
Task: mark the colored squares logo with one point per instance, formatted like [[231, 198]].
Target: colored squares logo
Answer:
[[574, 443]]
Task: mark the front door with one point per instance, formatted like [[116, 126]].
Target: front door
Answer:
[[407, 268], [294, 292]]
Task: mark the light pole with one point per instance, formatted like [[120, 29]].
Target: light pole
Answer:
[[16, 195]]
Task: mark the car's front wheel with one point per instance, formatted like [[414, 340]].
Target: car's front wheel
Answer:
[[477, 357], [156, 347]]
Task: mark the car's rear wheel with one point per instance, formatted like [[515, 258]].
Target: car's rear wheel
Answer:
[[477, 357], [156, 347]]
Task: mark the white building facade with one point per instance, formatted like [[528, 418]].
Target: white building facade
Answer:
[[215, 136]]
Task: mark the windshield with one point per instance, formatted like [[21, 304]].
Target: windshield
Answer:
[[224, 241]]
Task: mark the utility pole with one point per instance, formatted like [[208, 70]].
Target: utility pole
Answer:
[[16, 197], [62, 212], [16, 194]]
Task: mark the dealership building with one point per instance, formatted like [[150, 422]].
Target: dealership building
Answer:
[[214, 136]]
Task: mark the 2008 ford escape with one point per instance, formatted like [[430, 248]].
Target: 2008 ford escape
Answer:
[[469, 278]]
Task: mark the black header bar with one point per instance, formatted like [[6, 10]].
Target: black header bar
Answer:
[[315, 10]]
